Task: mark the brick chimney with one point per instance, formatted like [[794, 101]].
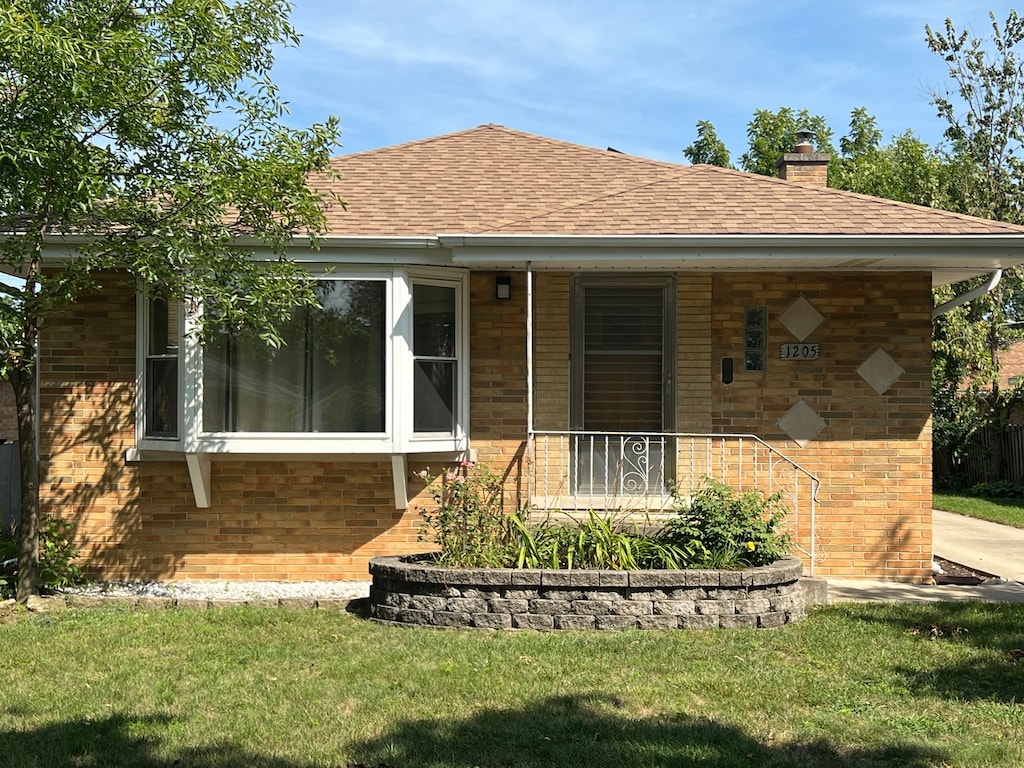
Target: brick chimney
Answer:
[[803, 165]]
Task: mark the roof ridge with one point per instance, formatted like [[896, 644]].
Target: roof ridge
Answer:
[[1010, 227], [617, 155]]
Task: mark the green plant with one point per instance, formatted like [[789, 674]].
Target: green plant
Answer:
[[596, 542], [716, 528], [1001, 489], [8, 561], [726, 529], [56, 555], [468, 523]]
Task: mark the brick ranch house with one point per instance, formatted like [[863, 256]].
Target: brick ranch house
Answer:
[[596, 326]]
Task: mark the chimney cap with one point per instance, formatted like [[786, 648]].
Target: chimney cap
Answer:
[[805, 140]]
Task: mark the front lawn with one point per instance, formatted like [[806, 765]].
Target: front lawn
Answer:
[[853, 685], [1008, 511]]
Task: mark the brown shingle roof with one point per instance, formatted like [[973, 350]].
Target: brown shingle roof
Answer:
[[493, 179]]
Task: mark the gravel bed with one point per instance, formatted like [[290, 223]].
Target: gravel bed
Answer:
[[226, 590]]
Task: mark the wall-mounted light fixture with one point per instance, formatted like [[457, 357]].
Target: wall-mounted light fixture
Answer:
[[503, 287]]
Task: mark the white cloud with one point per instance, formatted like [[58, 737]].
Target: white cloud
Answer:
[[636, 75]]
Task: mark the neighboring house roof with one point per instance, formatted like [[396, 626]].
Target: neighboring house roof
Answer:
[[1011, 364], [494, 180]]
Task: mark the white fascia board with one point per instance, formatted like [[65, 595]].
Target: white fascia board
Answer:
[[746, 252], [301, 249]]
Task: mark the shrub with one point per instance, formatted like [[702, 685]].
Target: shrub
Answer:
[[469, 522], [56, 555], [1001, 489], [729, 530]]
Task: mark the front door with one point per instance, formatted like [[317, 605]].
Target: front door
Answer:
[[622, 364]]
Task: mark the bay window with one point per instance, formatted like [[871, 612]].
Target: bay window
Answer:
[[378, 367]]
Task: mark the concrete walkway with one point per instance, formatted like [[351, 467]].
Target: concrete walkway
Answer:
[[980, 545], [983, 546]]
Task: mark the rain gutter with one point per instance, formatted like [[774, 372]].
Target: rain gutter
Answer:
[[963, 298]]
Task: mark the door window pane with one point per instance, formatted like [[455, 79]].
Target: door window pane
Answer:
[[619, 389], [623, 338]]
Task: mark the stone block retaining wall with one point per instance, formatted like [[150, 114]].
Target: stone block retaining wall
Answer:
[[413, 592]]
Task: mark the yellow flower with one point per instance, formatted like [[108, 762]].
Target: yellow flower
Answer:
[[751, 546]]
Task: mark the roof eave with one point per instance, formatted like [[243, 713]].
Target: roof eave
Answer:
[[949, 258]]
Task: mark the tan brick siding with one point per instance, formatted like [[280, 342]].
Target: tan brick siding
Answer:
[[8, 413], [873, 456], [322, 520]]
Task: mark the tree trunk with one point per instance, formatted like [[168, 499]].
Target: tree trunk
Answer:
[[23, 380]]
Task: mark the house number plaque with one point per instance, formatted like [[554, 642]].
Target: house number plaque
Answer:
[[800, 351]]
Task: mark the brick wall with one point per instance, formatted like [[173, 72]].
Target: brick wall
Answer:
[[267, 519], [8, 413], [322, 520], [873, 457]]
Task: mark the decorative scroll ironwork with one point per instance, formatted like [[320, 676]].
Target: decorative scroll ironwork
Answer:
[[610, 466]]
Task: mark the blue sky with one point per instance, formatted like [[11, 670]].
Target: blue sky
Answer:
[[635, 75]]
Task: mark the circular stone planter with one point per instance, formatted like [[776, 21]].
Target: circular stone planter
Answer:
[[412, 591]]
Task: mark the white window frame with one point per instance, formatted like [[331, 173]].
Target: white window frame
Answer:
[[142, 440], [398, 436], [408, 440]]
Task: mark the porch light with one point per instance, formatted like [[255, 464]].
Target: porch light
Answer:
[[503, 287]]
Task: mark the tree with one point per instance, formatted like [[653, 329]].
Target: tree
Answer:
[[141, 139], [985, 115], [772, 134], [984, 112], [707, 149], [906, 169]]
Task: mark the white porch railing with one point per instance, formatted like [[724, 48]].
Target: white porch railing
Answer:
[[575, 470]]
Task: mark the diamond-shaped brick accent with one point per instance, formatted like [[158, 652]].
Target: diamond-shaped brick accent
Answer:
[[801, 319], [881, 371], [801, 423]]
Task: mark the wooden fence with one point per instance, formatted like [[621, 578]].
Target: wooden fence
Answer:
[[975, 466]]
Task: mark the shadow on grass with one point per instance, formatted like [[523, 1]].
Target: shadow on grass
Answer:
[[120, 741], [592, 731], [990, 668]]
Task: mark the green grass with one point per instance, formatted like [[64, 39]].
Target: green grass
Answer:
[[1005, 511], [852, 686]]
